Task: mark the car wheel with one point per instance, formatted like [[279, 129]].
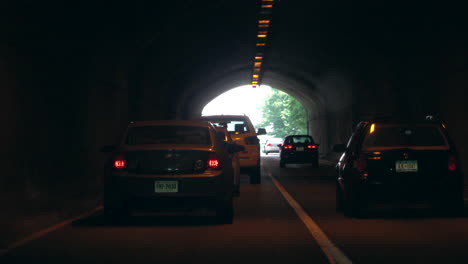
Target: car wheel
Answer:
[[255, 176], [282, 164], [116, 213], [225, 212], [115, 207], [351, 207], [236, 191], [315, 164], [454, 207], [339, 199], [266, 153]]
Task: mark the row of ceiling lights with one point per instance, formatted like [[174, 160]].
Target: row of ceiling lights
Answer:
[[263, 31]]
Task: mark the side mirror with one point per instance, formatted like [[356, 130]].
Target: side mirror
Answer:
[[233, 148], [261, 131], [108, 148], [339, 148]]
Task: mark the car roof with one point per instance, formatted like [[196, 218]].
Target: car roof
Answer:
[[274, 139], [224, 117], [170, 122]]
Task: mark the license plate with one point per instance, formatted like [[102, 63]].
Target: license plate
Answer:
[[406, 166], [299, 148], [166, 186]]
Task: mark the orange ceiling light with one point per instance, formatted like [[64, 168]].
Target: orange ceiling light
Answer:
[[264, 21], [257, 64], [258, 57], [261, 44], [267, 6]]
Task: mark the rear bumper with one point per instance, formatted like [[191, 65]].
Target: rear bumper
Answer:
[[407, 194], [139, 192], [313, 157]]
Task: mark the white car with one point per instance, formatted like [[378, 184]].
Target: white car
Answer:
[[271, 145], [243, 133]]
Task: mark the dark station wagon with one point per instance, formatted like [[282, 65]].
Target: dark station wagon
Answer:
[[399, 164]]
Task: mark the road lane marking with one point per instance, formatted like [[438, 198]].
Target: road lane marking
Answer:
[[334, 254], [46, 231]]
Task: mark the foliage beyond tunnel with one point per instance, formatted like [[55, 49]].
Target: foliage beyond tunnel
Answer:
[[284, 114]]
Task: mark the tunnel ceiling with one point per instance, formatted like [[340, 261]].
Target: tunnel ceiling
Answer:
[[190, 51]]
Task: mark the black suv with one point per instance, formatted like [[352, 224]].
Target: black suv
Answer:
[[399, 164]]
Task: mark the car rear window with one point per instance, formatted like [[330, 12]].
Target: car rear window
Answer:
[[300, 140], [404, 136], [274, 140], [167, 135], [233, 126]]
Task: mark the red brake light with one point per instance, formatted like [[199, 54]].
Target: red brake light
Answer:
[[287, 146], [452, 163], [311, 146], [269, 144], [120, 162], [213, 161]]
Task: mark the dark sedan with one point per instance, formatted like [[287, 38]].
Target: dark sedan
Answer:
[[170, 165], [399, 164], [299, 149]]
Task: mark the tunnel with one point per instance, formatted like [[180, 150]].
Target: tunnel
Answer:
[[74, 74]]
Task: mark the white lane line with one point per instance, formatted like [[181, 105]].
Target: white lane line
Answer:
[[334, 254], [44, 232]]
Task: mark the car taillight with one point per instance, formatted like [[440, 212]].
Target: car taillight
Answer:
[[253, 140], [120, 162], [213, 161], [312, 146], [269, 144], [452, 163], [288, 146]]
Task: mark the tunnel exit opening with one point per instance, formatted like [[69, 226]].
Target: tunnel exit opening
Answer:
[[277, 111]]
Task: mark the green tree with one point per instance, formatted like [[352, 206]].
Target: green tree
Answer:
[[284, 114]]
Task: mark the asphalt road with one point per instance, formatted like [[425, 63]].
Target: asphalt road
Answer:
[[266, 229]]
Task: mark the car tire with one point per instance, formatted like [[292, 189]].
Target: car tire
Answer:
[[454, 207], [339, 198], [116, 213], [115, 207], [282, 164], [255, 176], [225, 212], [351, 207], [315, 164], [236, 192], [266, 153]]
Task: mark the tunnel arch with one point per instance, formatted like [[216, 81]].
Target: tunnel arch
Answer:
[[321, 97]]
